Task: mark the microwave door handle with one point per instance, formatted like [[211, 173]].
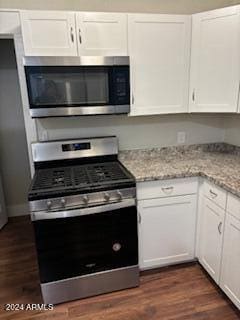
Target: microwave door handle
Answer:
[[132, 84], [82, 212]]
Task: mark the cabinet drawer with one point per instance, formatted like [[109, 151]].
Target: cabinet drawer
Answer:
[[233, 206], [214, 193], [166, 188]]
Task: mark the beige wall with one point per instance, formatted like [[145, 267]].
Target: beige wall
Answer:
[[14, 164], [138, 132], [232, 129], [161, 6]]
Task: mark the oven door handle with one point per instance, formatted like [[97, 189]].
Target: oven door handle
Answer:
[[47, 215]]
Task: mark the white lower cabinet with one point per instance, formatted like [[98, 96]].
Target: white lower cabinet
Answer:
[[169, 226], [218, 239], [211, 237], [166, 230], [230, 275]]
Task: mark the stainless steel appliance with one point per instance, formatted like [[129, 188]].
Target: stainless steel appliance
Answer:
[[74, 86], [83, 209]]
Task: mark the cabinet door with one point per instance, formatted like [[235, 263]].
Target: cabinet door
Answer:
[[214, 80], [102, 34], [49, 33], [166, 230], [211, 237], [159, 49], [230, 275]]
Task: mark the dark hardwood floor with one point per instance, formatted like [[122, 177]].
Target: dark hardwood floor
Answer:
[[181, 292]]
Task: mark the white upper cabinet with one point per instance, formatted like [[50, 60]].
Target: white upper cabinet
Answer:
[[49, 33], [159, 49], [102, 34], [215, 61], [57, 33]]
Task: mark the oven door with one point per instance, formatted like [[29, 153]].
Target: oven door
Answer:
[[77, 90], [84, 241]]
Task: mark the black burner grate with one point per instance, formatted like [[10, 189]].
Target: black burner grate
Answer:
[[79, 176], [52, 178], [105, 172]]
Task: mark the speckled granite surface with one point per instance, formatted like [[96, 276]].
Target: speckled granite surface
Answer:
[[218, 162]]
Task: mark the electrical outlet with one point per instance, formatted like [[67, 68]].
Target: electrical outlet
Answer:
[[181, 137]]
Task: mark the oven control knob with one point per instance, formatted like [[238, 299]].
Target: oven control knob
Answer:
[[63, 202], [85, 199], [116, 247], [106, 196], [49, 204], [119, 195]]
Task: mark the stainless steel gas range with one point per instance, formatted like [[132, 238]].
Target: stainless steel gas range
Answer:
[[83, 209]]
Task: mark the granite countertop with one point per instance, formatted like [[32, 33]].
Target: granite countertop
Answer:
[[218, 162]]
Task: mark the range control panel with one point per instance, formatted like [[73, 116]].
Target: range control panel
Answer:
[[76, 147]]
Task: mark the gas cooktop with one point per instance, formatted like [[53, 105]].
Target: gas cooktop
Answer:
[[65, 180], [78, 174]]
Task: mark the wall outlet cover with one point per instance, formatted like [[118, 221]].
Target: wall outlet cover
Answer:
[[181, 137]]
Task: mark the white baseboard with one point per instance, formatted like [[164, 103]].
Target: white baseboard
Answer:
[[18, 210]]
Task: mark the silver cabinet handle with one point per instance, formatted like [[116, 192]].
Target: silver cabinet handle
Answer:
[[72, 36], [220, 227], [167, 190], [139, 218], [133, 99], [79, 36], [213, 194], [193, 95]]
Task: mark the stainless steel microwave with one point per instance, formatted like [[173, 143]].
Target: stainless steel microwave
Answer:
[[76, 86]]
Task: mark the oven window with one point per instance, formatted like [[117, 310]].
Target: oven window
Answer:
[[67, 86]]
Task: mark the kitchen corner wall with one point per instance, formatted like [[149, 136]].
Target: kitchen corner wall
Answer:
[[232, 129]]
